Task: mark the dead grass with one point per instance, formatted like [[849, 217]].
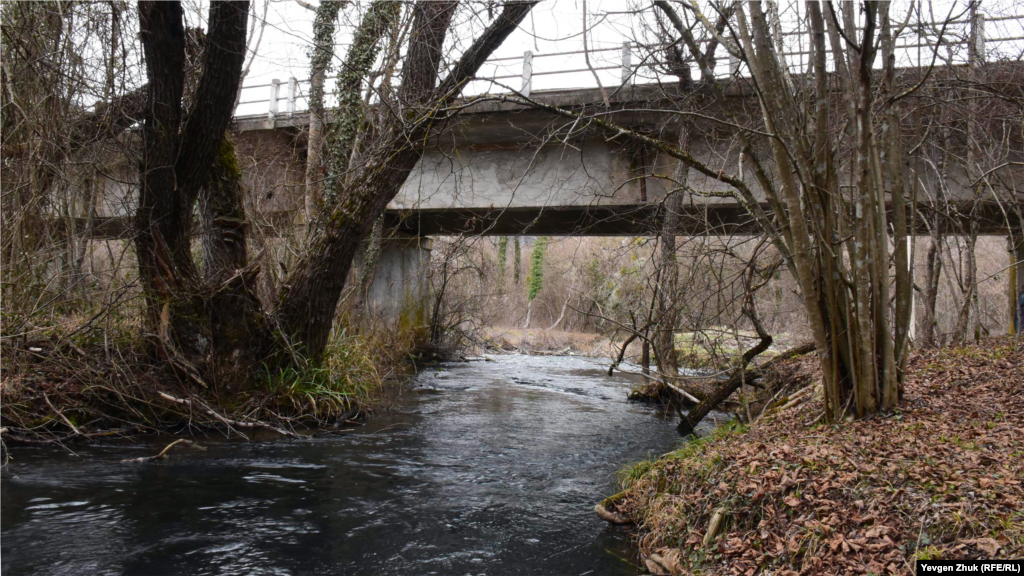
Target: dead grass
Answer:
[[547, 341], [940, 478]]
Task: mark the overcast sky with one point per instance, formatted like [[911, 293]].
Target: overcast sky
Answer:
[[552, 27]]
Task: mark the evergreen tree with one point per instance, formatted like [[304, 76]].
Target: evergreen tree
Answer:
[[502, 255], [535, 281], [515, 265]]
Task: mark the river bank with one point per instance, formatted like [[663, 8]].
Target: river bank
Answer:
[[66, 386], [940, 478], [70, 385], [545, 342]]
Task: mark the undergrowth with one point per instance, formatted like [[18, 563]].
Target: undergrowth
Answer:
[[349, 376], [75, 379]]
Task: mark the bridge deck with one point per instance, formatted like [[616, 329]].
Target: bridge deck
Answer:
[[721, 219]]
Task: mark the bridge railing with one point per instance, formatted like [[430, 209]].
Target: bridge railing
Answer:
[[980, 37]]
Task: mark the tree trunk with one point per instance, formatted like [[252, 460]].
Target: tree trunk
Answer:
[[739, 377], [933, 271], [668, 296], [176, 160], [369, 271], [645, 356], [502, 255], [969, 308], [319, 63], [310, 295], [239, 335], [516, 261]]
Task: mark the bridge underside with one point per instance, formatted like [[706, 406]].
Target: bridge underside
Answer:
[[719, 219]]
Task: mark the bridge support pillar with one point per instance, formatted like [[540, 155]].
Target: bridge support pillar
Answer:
[[400, 291]]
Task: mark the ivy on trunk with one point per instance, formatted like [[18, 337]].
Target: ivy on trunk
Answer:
[[210, 326]]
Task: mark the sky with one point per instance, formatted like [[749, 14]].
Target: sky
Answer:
[[553, 27]]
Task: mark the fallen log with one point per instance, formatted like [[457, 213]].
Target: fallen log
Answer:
[[741, 375]]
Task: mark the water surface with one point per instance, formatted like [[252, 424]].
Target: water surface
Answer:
[[480, 468]]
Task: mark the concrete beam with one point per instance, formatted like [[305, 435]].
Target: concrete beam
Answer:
[[717, 219]]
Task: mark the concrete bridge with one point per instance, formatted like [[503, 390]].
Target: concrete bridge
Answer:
[[499, 171]]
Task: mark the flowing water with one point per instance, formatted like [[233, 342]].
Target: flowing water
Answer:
[[480, 468]]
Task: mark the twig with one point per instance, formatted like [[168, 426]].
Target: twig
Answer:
[[163, 453], [227, 421], [61, 414], [6, 456]]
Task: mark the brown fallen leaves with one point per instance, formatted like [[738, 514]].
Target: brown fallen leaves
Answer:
[[941, 478]]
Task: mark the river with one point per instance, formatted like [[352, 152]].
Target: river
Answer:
[[485, 467]]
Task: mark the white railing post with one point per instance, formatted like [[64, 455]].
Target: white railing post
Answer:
[[527, 73], [734, 62], [627, 64], [976, 49], [275, 92], [292, 87]]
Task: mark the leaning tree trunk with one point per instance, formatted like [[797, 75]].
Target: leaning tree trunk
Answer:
[[739, 377], [320, 62], [311, 293]]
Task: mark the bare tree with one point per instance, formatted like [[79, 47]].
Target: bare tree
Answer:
[[206, 320], [836, 245]]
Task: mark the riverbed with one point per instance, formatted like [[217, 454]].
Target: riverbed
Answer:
[[484, 467]]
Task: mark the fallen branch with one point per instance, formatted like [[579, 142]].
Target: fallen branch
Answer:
[[62, 416], [665, 383], [163, 453], [684, 393], [227, 421], [689, 423], [801, 396]]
